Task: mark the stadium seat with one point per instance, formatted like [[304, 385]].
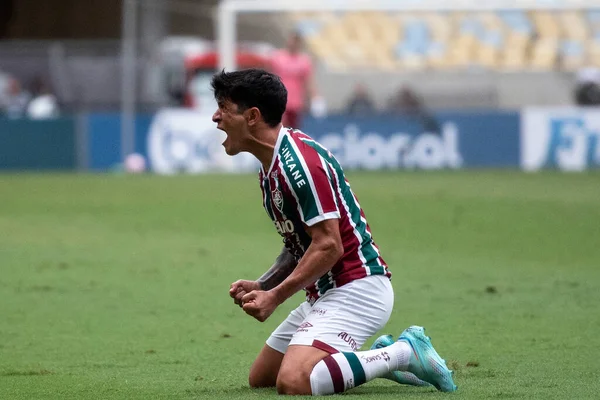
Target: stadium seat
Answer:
[[572, 54], [502, 40], [437, 55], [516, 21], [573, 25], [546, 25], [545, 54], [593, 51]]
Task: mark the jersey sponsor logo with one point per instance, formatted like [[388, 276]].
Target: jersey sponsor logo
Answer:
[[293, 167], [283, 227]]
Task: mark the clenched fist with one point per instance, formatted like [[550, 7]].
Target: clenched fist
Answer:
[[240, 288]]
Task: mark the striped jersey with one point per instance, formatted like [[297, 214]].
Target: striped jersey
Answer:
[[304, 185]]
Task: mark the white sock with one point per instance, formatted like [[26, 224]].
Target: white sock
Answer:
[[342, 371]]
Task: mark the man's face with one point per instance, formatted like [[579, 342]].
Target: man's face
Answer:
[[233, 123]]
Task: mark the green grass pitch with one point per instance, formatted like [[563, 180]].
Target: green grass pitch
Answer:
[[116, 287]]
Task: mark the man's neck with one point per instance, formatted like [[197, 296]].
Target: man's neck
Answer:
[[263, 146]]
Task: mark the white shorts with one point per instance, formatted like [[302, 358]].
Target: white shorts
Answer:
[[342, 319]]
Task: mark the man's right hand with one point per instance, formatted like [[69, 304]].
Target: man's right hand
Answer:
[[240, 288]]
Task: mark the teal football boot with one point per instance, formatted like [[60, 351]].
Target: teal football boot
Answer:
[[426, 363], [402, 377]]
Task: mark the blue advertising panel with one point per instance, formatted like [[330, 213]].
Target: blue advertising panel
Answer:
[[27, 144], [104, 138], [483, 139], [180, 140], [566, 138]]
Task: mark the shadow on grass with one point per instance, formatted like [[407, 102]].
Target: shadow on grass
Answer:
[[26, 372]]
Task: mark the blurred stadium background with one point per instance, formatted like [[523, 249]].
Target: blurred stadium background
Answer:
[[505, 79]]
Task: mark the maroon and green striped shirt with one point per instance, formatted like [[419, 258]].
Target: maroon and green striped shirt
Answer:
[[305, 184]]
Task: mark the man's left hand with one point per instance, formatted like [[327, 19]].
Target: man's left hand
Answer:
[[260, 304]]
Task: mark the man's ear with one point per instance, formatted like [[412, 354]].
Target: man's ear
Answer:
[[253, 116]]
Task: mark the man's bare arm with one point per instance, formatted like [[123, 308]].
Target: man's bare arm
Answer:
[[282, 268], [324, 251]]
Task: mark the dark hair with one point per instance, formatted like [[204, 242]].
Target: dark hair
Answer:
[[253, 88]]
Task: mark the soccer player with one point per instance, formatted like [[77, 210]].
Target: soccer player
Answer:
[[329, 252]]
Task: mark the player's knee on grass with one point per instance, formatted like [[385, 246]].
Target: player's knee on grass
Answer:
[[265, 368], [296, 367], [258, 379], [293, 381]]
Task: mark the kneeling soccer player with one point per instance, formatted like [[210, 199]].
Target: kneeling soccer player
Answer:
[[329, 252]]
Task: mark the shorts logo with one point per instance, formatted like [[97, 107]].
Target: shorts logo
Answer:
[[318, 311], [349, 339], [304, 327]]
